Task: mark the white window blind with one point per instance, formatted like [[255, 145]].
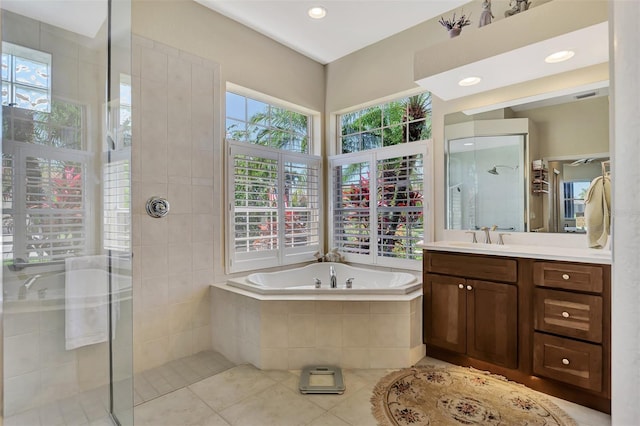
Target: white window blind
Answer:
[[275, 210], [377, 205], [44, 183], [54, 209], [117, 205], [399, 206]]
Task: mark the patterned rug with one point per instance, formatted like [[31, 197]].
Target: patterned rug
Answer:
[[441, 396]]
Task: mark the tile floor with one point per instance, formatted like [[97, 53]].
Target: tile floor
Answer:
[[244, 395], [91, 408], [208, 390], [151, 384]]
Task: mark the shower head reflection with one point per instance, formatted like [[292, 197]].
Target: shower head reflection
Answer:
[[494, 169]]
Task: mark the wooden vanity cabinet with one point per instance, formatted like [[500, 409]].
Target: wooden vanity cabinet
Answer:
[[542, 323], [475, 317], [571, 326]]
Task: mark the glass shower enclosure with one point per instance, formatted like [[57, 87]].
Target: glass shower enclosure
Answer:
[[66, 213]]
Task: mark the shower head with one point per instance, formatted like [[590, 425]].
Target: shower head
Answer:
[[494, 170]]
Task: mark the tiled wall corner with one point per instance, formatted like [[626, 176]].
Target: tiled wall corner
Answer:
[[174, 98]]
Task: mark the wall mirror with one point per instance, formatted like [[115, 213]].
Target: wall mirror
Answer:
[[545, 155]]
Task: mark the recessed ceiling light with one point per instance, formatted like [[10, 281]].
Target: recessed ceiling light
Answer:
[[560, 56], [469, 81], [317, 12]]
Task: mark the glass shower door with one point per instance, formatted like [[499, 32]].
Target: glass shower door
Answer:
[[66, 273]]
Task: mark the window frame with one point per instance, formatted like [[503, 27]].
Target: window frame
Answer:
[[283, 255], [371, 156], [20, 151], [13, 51]]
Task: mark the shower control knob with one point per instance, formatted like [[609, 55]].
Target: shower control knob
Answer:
[[157, 207]]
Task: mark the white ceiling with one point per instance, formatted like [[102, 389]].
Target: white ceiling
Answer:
[[349, 25], [86, 19]]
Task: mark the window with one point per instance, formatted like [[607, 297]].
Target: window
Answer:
[[573, 200], [273, 185], [26, 78], [44, 163], [378, 183], [116, 175], [44, 219], [392, 123]]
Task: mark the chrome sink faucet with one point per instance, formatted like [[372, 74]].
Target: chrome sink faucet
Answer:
[[334, 279], [487, 237]]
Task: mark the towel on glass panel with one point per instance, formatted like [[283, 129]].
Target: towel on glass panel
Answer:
[[87, 301]]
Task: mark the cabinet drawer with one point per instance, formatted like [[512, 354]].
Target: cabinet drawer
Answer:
[[470, 266], [568, 314], [569, 361], [568, 276]]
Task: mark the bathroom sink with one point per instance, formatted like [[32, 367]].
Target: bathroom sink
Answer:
[[477, 246]]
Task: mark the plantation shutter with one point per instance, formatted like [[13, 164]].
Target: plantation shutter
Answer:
[[54, 208], [399, 206], [377, 205], [8, 209], [117, 205], [352, 208], [269, 188]]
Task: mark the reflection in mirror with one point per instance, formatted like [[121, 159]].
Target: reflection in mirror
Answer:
[[485, 176], [569, 135], [569, 180]]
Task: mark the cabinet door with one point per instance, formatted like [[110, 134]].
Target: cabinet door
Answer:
[[492, 322], [445, 312]]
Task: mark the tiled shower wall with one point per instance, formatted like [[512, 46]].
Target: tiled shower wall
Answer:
[[174, 97]]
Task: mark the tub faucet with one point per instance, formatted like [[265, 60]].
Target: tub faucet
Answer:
[[334, 279], [22, 292]]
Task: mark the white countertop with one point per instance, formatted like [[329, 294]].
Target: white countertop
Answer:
[[585, 255]]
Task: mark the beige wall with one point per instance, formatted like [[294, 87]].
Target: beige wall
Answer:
[[182, 58], [246, 57], [576, 128]]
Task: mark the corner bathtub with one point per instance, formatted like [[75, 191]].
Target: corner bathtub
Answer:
[[280, 321], [302, 281]]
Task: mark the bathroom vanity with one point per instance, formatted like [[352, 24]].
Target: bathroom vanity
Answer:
[[536, 316]]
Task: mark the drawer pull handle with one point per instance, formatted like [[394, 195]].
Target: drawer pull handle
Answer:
[[565, 276], [565, 314], [565, 361], [469, 288], [460, 286]]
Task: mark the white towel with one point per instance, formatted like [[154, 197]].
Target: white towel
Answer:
[[86, 301], [597, 211]]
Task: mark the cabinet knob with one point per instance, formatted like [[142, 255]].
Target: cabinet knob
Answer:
[[565, 361], [460, 286], [565, 276], [565, 314], [469, 288]]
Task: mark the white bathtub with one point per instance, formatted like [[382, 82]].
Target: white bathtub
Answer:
[[302, 281]]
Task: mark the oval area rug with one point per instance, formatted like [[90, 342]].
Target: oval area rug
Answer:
[[427, 395]]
